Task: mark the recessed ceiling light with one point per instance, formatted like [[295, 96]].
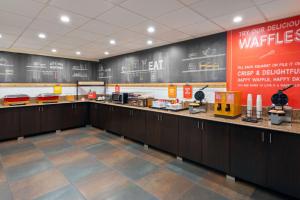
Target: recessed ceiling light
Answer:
[[113, 42], [106, 53], [149, 42], [65, 19], [151, 29], [237, 19], [53, 50], [0, 36], [42, 35], [78, 53]]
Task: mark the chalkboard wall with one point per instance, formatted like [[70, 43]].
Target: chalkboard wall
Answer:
[[198, 60], [19, 68]]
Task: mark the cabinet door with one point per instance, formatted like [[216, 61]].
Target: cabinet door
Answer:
[[169, 133], [68, 115], [284, 163], [190, 139], [248, 154], [137, 125], [94, 115], [50, 118], [30, 120], [153, 127], [115, 119], [10, 128], [81, 114], [102, 116], [216, 146], [127, 123]]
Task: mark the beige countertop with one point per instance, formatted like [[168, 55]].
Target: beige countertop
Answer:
[[264, 124]]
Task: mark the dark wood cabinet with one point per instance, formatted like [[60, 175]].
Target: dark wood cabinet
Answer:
[[94, 113], [114, 118], [134, 124], [50, 118], [162, 131], [30, 120], [74, 115], [248, 154], [284, 163], [190, 139], [215, 149], [9, 118]]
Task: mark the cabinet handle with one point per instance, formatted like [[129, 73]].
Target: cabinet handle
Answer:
[[161, 118], [132, 113], [270, 138], [39, 109], [198, 124], [263, 136], [202, 125], [158, 117]]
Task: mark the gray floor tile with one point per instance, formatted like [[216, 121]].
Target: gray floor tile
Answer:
[[100, 148], [15, 148], [65, 193], [136, 168], [5, 192], [27, 169], [82, 168], [196, 193]]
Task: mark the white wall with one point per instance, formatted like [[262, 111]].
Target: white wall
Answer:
[[157, 92]]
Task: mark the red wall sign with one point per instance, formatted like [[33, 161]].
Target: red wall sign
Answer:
[[264, 58], [187, 91], [117, 88]]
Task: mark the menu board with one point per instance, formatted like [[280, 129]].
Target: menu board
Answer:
[[198, 60], [265, 58], [17, 67]]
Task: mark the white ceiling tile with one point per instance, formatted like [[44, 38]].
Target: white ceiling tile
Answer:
[[127, 36], [121, 17], [99, 27], [258, 2], [116, 2], [40, 25], [215, 8], [33, 35], [142, 27], [188, 2], [172, 36], [26, 8], [7, 40], [29, 43], [280, 9], [250, 16], [153, 8], [60, 45], [53, 14], [201, 28], [84, 35], [8, 19], [16, 30], [179, 18], [89, 8]]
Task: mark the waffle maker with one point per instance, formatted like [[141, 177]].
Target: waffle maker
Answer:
[[279, 112], [199, 105]]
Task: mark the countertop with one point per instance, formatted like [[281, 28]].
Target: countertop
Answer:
[[264, 124], [293, 127]]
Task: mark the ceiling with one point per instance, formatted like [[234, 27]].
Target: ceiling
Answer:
[[93, 23]]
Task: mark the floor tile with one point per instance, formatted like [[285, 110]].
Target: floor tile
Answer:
[[68, 156], [117, 156], [5, 192], [108, 136], [86, 141], [21, 157], [197, 192], [189, 170], [127, 191], [28, 169], [102, 150], [38, 185], [75, 137], [66, 193], [53, 146], [92, 186], [165, 184], [15, 147], [136, 168], [82, 168]]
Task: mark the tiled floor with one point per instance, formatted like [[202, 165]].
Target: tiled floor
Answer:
[[88, 163]]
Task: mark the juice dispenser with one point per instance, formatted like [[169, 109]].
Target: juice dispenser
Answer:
[[227, 104]]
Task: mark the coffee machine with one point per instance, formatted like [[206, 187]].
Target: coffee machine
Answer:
[[279, 112]]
